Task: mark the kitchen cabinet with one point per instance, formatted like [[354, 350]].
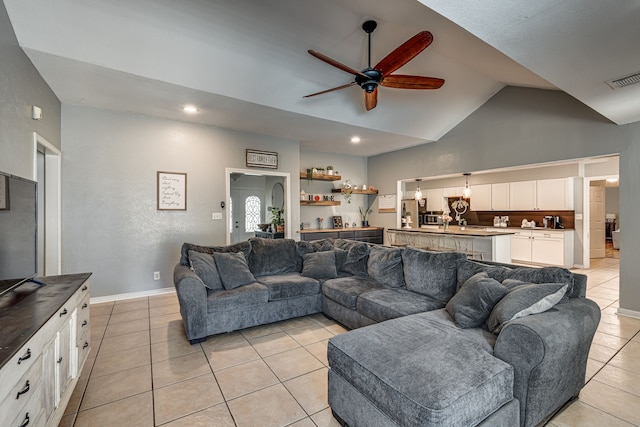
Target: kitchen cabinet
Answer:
[[499, 196], [554, 194], [522, 196], [361, 234], [434, 199], [452, 191], [549, 247], [481, 197]]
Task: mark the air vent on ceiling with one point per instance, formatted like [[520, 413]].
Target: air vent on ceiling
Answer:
[[624, 81]]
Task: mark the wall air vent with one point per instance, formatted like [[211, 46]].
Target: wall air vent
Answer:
[[624, 81]]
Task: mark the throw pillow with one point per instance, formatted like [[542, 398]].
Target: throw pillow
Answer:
[[543, 275], [244, 247], [472, 304], [523, 300], [357, 254], [467, 268], [272, 256], [433, 274], [385, 266], [233, 269], [320, 265], [205, 267], [341, 258]]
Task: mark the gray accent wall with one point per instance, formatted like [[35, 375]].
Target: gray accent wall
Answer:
[[110, 223], [521, 126], [21, 86]]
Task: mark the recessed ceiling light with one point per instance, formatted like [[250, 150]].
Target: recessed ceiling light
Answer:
[[355, 139], [190, 109]]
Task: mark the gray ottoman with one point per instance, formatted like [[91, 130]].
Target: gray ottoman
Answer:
[[445, 376]]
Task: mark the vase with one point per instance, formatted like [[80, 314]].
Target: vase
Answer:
[[365, 223], [279, 228], [446, 226]]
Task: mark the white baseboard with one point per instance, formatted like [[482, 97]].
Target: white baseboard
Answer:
[[629, 313], [131, 295]]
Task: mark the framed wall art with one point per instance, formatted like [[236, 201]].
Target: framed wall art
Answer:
[[172, 191], [337, 222], [261, 159]]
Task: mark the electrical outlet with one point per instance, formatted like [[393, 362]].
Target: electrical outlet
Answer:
[[156, 275], [216, 215]]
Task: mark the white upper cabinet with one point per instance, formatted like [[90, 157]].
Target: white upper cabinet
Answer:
[[452, 191], [434, 199], [522, 196], [500, 196], [481, 197], [554, 194]]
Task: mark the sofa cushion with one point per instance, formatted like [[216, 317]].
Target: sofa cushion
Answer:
[[233, 269], [543, 275], [472, 304], [345, 290], [319, 265], [244, 247], [303, 247], [205, 267], [289, 285], [357, 255], [272, 256], [431, 273], [468, 268], [385, 304], [385, 265], [422, 370], [244, 296], [523, 300]]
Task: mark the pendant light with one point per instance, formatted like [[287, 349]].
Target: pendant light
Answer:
[[466, 193], [418, 193]]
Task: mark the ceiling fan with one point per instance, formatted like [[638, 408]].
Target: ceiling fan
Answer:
[[371, 77]]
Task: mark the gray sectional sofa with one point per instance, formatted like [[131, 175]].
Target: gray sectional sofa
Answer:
[[436, 339]]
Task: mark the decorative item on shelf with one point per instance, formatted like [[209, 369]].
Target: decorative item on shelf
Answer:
[[347, 190], [329, 170], [459, 206], [407, 217], [320, 171], [303, 195], [372, 188], [337, 222], [277, 220], [264, 227], [320, 221], [364, 213], [316, 198], [463, 224], [354, 224], [309, 175], [446, 219]]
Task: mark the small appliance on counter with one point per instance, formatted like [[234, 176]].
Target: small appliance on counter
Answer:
[[557, 222], [547, 221], [528, 224], [501, 221]]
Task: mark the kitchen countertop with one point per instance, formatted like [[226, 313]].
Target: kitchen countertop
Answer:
[[455, 231], [329, 230]]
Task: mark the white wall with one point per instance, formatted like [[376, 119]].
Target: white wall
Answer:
[[111, 226]]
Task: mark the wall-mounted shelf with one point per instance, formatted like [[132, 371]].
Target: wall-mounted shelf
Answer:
[[321, 177], [339, 190], [319, 203]]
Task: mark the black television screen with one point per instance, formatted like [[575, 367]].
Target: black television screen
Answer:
[[18, 231]]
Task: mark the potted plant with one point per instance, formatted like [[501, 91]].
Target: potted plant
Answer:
[[321, 171], [364, 213], [277, 220], [329, 170]]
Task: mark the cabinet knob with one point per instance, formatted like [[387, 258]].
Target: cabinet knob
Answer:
[[63, 312], [24, 390], [26, 356], [25, 422]]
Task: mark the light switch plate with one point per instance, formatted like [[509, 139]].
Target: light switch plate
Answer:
[[216, 215]]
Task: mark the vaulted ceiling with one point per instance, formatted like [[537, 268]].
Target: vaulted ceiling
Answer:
[[244, 63]]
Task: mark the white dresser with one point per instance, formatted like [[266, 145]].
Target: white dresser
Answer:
[[44, 343]]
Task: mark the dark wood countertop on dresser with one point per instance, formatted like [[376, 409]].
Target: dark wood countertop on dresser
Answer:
[[27, 308]]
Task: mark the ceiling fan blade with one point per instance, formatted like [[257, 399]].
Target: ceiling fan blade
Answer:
[[405, 52], [371, 99], [337, 64], [330, 90], [400, 81]]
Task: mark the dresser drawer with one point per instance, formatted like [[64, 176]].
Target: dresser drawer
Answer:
[[33, 413], [21, 391]]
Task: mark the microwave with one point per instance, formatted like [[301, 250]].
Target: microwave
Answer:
[[432, 219]]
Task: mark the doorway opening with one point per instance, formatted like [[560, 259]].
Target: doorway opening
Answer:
[[250, 197]]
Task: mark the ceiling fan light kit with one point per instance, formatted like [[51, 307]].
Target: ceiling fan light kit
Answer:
[[381, 75]]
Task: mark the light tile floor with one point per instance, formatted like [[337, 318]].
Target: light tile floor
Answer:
[[143, 372]]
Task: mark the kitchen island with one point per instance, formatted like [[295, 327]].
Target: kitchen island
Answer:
[[477, 243]]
